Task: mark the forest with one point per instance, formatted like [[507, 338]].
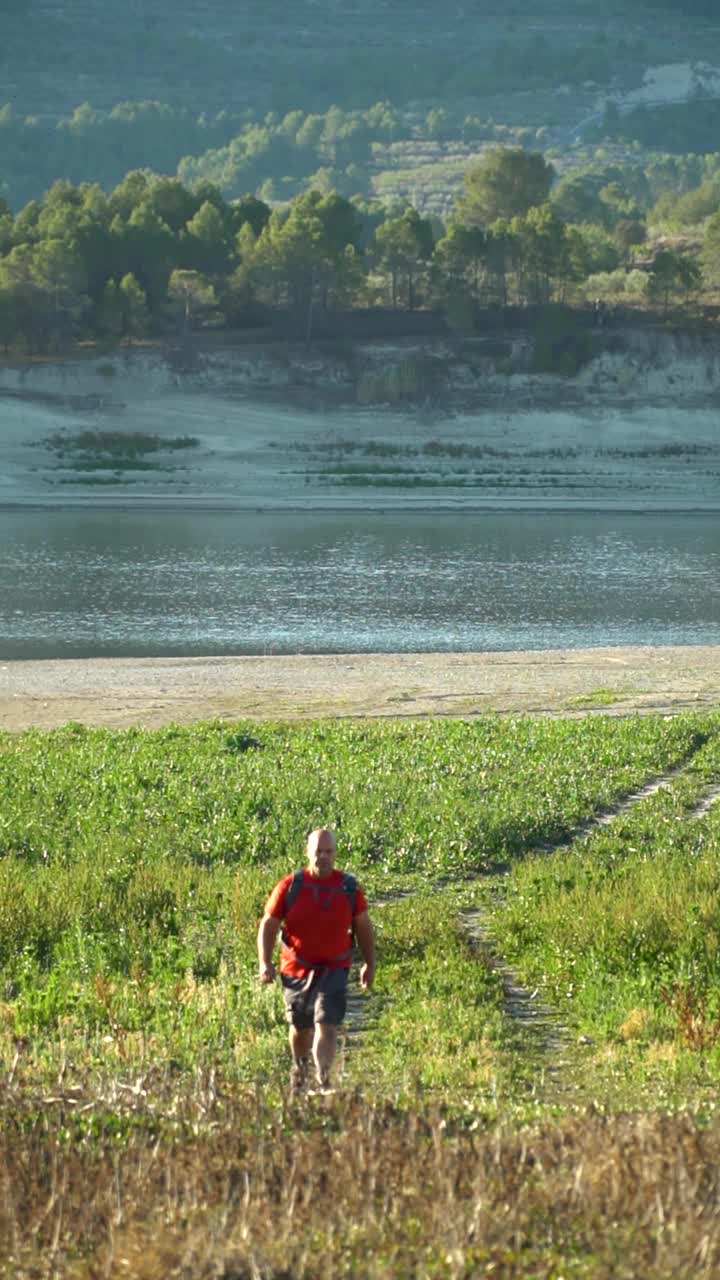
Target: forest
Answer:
[[317, 170], [154, 255]]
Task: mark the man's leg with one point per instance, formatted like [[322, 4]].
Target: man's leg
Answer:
[[324, 1048], [330, 1007], [301, 1043], [301, 1039], [300, 1028]]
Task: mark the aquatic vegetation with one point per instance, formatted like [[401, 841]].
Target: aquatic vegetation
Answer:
[[94, 450]]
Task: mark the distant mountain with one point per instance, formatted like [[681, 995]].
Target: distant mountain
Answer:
[[210, 55]]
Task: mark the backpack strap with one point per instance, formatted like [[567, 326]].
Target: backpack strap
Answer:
[[294, 887], [348, 887]]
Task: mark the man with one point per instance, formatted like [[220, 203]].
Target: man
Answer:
[[318, 910]]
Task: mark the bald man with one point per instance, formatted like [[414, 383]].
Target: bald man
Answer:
[[318, 909]]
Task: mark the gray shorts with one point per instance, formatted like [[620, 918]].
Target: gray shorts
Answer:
[[321, 997]]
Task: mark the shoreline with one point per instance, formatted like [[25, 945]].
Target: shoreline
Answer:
[[152, 692], [394, 504], [635, 429]]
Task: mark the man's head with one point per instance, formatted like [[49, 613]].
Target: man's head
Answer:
[[321, 852]]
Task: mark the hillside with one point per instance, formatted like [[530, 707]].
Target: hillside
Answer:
[[378, 99], [212, 55]]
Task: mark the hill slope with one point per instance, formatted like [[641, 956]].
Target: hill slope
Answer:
[[212, 55]]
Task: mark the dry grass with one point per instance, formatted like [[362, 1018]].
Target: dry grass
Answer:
[[635, 1024], [151, 1182]]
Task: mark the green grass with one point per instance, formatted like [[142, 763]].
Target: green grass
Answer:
[[622, 929], [144, 1117], [439, 1024], [134, 865], [597, 698]]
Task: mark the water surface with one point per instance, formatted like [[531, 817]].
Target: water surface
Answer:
[[115, 584]]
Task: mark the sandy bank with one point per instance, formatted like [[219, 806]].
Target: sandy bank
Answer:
[[290, 427], [157, 691]]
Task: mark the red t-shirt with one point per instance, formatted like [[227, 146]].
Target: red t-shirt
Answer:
[[318, 924]]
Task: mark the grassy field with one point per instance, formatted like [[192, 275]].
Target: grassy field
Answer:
[[531, 1088]]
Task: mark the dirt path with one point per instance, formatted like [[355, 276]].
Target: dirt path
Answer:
[[157, 691], [550, 1050], [543, 1038]]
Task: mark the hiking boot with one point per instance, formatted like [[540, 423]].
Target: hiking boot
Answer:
[[323, 1079]]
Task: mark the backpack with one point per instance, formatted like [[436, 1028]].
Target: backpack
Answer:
[[298, 882], [348, 887]]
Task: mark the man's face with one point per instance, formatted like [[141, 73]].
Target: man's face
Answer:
[[321, 853]]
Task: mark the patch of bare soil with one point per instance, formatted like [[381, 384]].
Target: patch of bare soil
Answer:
[[158, 691]]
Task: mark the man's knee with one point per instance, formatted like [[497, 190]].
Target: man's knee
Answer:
[[301, 1035]]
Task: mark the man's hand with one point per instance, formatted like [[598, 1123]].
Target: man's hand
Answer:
[[266, 939], [366, 942]]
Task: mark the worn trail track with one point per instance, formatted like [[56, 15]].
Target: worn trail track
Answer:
[[542, 1032], [546, 1041], [703, 806]]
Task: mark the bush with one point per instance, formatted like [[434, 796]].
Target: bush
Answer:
[[560, 345]]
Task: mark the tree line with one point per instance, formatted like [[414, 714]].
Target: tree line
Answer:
[[280, 155], [154, 255], [237, 151]]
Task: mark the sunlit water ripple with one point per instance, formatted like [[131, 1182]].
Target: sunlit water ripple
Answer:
[[74, 585]]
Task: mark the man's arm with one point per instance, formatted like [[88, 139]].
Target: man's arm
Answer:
[[266, 939], [366, 942]]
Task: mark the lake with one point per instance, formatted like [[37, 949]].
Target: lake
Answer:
[[81, 584]]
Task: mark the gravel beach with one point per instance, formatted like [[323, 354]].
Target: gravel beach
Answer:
[[157, 691]]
